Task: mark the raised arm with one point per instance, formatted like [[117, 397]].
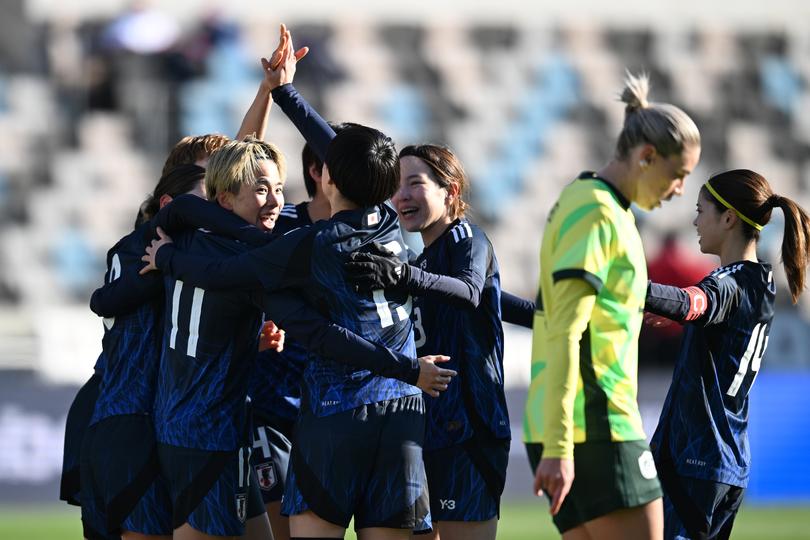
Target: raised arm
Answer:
[[314, 128], [255, 120]]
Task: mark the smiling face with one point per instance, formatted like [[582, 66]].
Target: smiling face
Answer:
[[275, 197], [421, 203], [709, 223], [258, 204], [662, 177]]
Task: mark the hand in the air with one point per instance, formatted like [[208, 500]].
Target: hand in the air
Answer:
[[280, 68]]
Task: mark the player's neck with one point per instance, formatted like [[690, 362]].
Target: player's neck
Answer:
[[339, 204], [616, 174], [318, 208], [435, 230], [737, 249]]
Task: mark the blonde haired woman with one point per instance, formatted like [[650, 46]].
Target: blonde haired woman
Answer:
[[583, 428]]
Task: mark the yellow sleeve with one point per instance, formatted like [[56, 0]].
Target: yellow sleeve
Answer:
[[574, 300]]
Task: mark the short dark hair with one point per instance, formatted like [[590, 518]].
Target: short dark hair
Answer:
[[364, 165], [176, 181], [309, 158]]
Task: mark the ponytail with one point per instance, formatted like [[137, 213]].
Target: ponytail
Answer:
[[749, 195], [794, 244], [662, 125]]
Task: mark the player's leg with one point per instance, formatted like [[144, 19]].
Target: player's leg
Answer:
[[278, 523], [258, 528], [645, 522], [462, 530], [187, 532], [379, 533], [129, 535], [308, 525], [577, 533]]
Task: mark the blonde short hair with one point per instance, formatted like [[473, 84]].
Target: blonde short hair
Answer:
[[237, 163]]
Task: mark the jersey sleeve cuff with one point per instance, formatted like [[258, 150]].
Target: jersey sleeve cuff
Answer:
[[558, 451], [577, 273]]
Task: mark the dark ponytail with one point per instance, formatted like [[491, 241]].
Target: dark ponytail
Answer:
[[751, 196], [174, 182], [794, 244]]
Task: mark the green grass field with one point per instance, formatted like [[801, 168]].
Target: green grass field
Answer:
[[520, 521]]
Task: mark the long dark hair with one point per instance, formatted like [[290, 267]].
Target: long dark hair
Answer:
[[751, 195]]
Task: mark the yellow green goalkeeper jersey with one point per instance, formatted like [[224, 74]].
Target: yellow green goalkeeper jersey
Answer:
[[591, 235]]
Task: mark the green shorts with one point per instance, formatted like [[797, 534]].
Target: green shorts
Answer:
[[608, 476]]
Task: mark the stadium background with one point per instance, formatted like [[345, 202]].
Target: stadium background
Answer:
[[93, 93]]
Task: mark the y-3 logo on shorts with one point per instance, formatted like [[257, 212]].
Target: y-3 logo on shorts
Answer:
[[447, 504]]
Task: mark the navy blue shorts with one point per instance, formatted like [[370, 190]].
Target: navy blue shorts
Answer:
[[120, 485], [271, 455], [466, 480], [78, 418], [364, 463], [213, 491], [697, 509]]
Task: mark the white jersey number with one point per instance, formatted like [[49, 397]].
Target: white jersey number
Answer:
[[752, 356], [384, 310], [194, 321], [419, 336]]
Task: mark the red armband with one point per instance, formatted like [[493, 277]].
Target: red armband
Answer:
[[698, 303]]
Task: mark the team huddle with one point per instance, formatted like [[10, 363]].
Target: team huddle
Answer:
[[273, 370]]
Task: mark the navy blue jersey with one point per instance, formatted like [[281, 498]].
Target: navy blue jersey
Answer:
[[311, 261], [471, 335], [133, 308], [704, 422], [292, 216], [132, 339], [275, 386], [383, 317], [209, 349]]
